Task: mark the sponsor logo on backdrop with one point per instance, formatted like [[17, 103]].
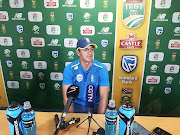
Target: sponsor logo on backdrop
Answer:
[[21, 41], [16, 3], [23, 53], [57, 86], [18, 16], [87, 17], [108, 66], [157, 44], [87, 30], [55, 54], [174, 44], [36, 29], [24, 64], [129, 63], [13, 84], [41, 75], [173, 69], [53, 30], [167, 90], [19, 28], [104, 42], [87, 3], [70, 55], [70, 42], [105, 30], [3, 29], [79, 77], [35, 16], [169, 80], [26, 75], [40, 64], [176, 17], [27, 85], [160, 4], [105, 17], [39, 53], [173, 56], [153, 79], [130, 42], [56, 65], [70, 29], [154, 68], [159, 30], [151, 88], [69, 3], [161, 17], [104, 55], [156, 56], [51, 3], [133, 13], [37, 42], [105, 3], [9, 63], [69, 16], [52, 16], [11, 74], [42, 85], [1, 1], [56, 76], [7, 53], [177, 31], [4, 16], [33, 3], [54, 42], [6, 41], [128, 79]]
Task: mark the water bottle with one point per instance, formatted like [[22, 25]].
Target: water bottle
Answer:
[[28, 119], [126, 119], [13, 113], [111, 118]]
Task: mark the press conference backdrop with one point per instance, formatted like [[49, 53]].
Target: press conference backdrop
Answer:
[[38, 38]]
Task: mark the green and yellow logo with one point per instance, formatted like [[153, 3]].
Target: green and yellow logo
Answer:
[[133, 13]]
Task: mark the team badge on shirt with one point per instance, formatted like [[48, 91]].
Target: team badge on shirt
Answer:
[[79, 77]]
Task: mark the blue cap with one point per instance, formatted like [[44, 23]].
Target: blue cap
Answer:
[[85, 42]]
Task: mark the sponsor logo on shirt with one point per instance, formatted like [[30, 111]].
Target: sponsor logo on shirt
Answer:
[[79, 77]]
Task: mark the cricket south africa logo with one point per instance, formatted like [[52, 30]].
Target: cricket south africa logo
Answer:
[[133, 13]]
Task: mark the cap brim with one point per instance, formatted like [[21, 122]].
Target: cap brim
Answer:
[[94, 45]]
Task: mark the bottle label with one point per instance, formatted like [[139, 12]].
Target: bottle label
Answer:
[[30, 123], [111, 121], [128, 122], [15, 122]]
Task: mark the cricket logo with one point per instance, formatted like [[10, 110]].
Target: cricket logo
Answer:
[[133, 13]]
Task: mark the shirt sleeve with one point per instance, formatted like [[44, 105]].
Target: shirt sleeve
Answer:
[[67, 76], [104, 77]]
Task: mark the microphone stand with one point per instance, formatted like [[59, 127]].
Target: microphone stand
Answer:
[[89, 119]]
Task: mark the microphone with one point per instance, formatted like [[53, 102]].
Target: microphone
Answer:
[[72, 93]]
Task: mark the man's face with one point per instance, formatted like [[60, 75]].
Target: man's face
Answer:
[[87, 54]]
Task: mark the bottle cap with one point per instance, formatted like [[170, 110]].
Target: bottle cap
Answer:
[[27, 106], [127, 106], [111, 105], [14, 106]]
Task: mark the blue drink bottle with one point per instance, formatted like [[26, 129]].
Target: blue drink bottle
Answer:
[[126, 120], [111, 118], [13, 113], [28, 119]]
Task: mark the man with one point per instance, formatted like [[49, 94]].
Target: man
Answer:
[[83, 72]]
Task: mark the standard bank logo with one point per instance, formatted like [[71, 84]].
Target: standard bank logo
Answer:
[[129, 63], [133, 13], [159, 30]]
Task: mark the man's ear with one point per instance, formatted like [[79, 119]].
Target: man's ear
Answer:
[[77, 51]]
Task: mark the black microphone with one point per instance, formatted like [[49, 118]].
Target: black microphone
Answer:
[[72, 93]]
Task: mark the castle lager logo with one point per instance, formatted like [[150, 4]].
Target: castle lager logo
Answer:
[[130, 42], [174, 44], [4, 16], [133, 13], [51, 3]]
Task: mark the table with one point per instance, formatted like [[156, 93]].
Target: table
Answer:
[[46, 124]]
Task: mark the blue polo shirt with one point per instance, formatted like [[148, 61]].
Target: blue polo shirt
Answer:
[[97, 75]]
